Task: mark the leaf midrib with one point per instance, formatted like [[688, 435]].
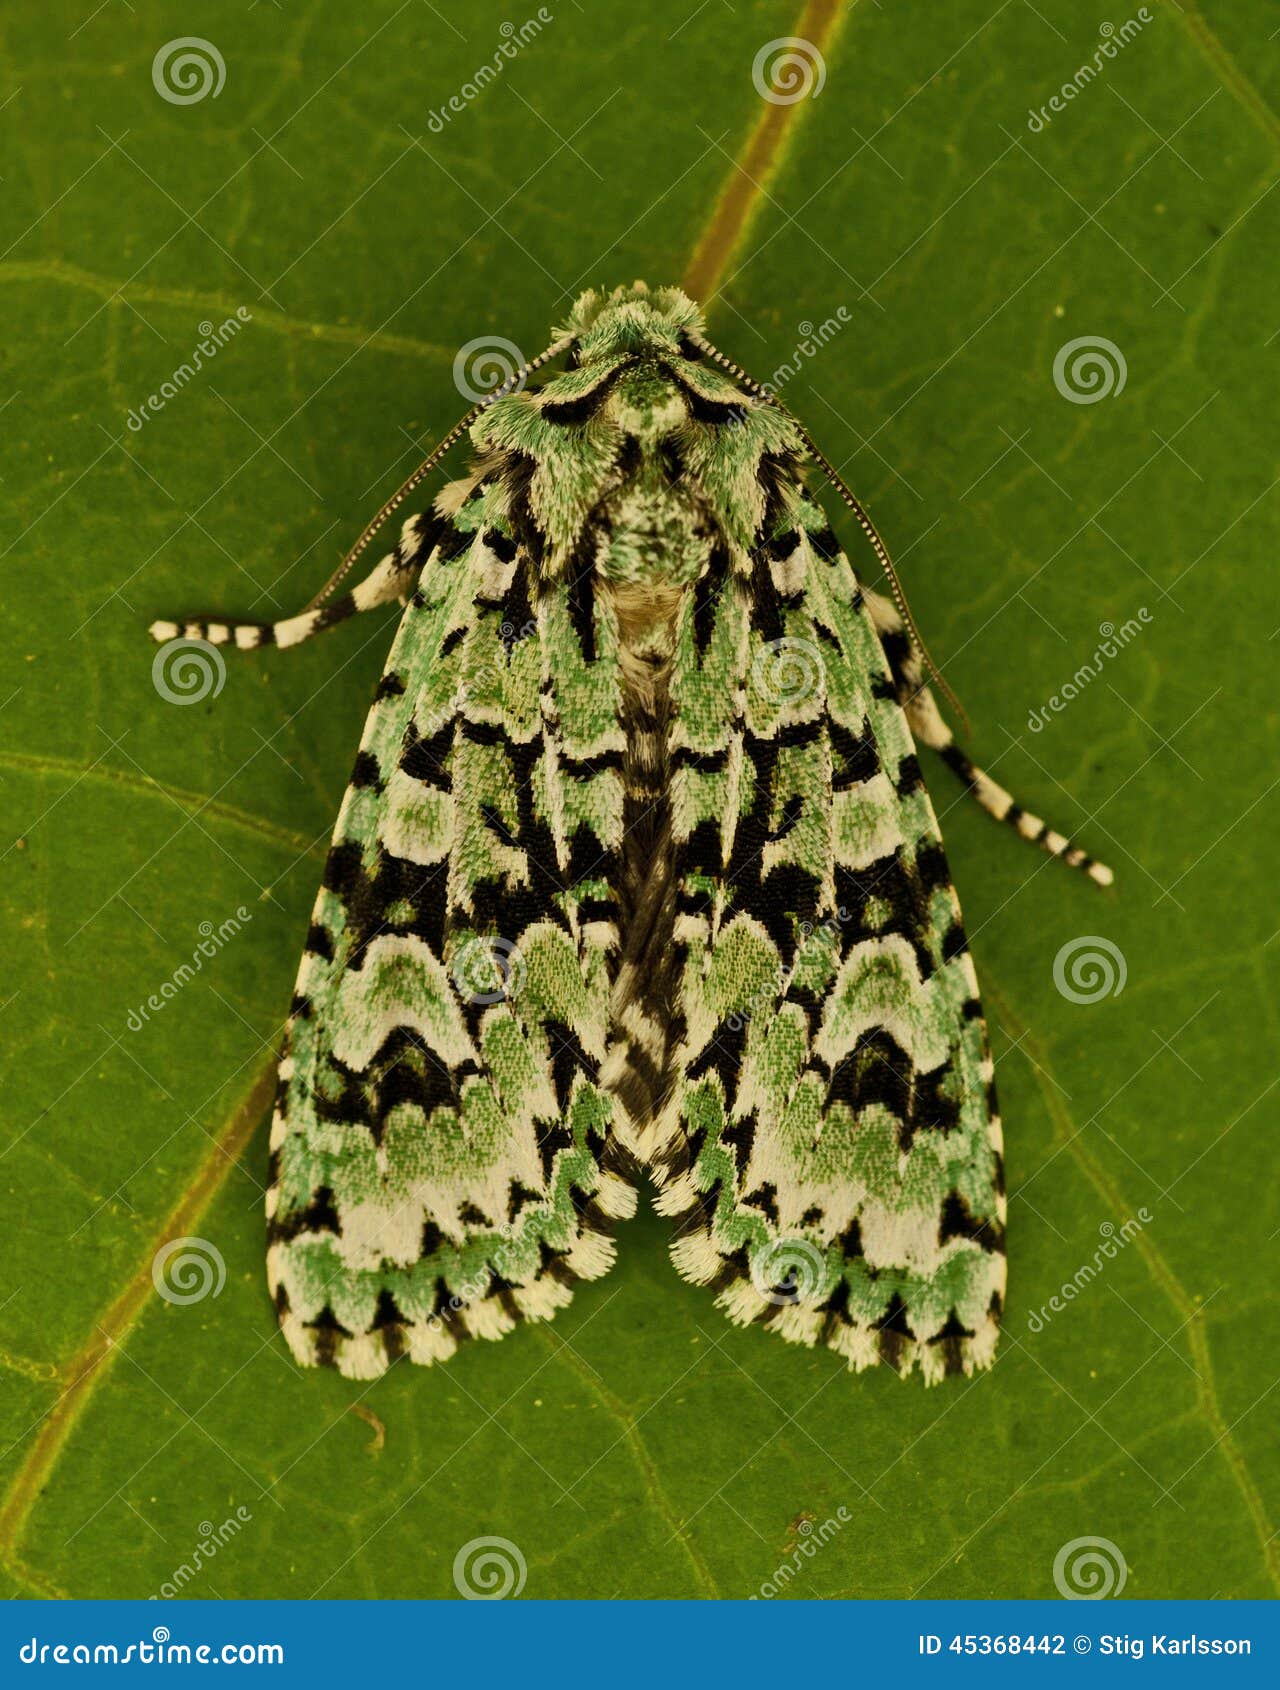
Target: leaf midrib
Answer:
[[90, 1361]]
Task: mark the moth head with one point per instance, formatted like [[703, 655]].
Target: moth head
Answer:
[[631, 320]]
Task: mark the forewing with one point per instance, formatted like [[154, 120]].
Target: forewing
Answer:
[[440, 1149], [834, 1148]]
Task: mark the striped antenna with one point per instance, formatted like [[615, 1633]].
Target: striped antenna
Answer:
[[429, 463], [855, 505]]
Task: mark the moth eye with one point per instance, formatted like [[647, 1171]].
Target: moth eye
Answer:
[[573, 358]]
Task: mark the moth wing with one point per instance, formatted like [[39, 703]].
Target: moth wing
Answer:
[[440, 1160], [833, 1149]]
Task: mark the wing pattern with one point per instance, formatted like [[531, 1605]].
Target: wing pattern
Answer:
[[441, 1156], [833, 1150], [637, 870]]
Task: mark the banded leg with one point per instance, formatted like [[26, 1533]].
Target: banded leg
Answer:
[[388, 580], [917, 700]]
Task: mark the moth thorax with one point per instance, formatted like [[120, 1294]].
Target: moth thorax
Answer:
[[658, 534]]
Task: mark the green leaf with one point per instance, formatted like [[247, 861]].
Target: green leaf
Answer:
[[639, 1446]]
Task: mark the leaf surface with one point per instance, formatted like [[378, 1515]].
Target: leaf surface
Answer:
[[906, 257]]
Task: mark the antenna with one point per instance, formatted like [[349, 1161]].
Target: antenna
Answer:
[[429, 463], [855, 505]]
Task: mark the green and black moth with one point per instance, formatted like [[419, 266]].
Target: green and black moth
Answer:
[[637, 874]]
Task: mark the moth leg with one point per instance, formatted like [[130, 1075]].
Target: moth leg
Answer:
[[929, 728], [389, 579]]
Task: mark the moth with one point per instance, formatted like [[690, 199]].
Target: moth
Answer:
[[637, 875]]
